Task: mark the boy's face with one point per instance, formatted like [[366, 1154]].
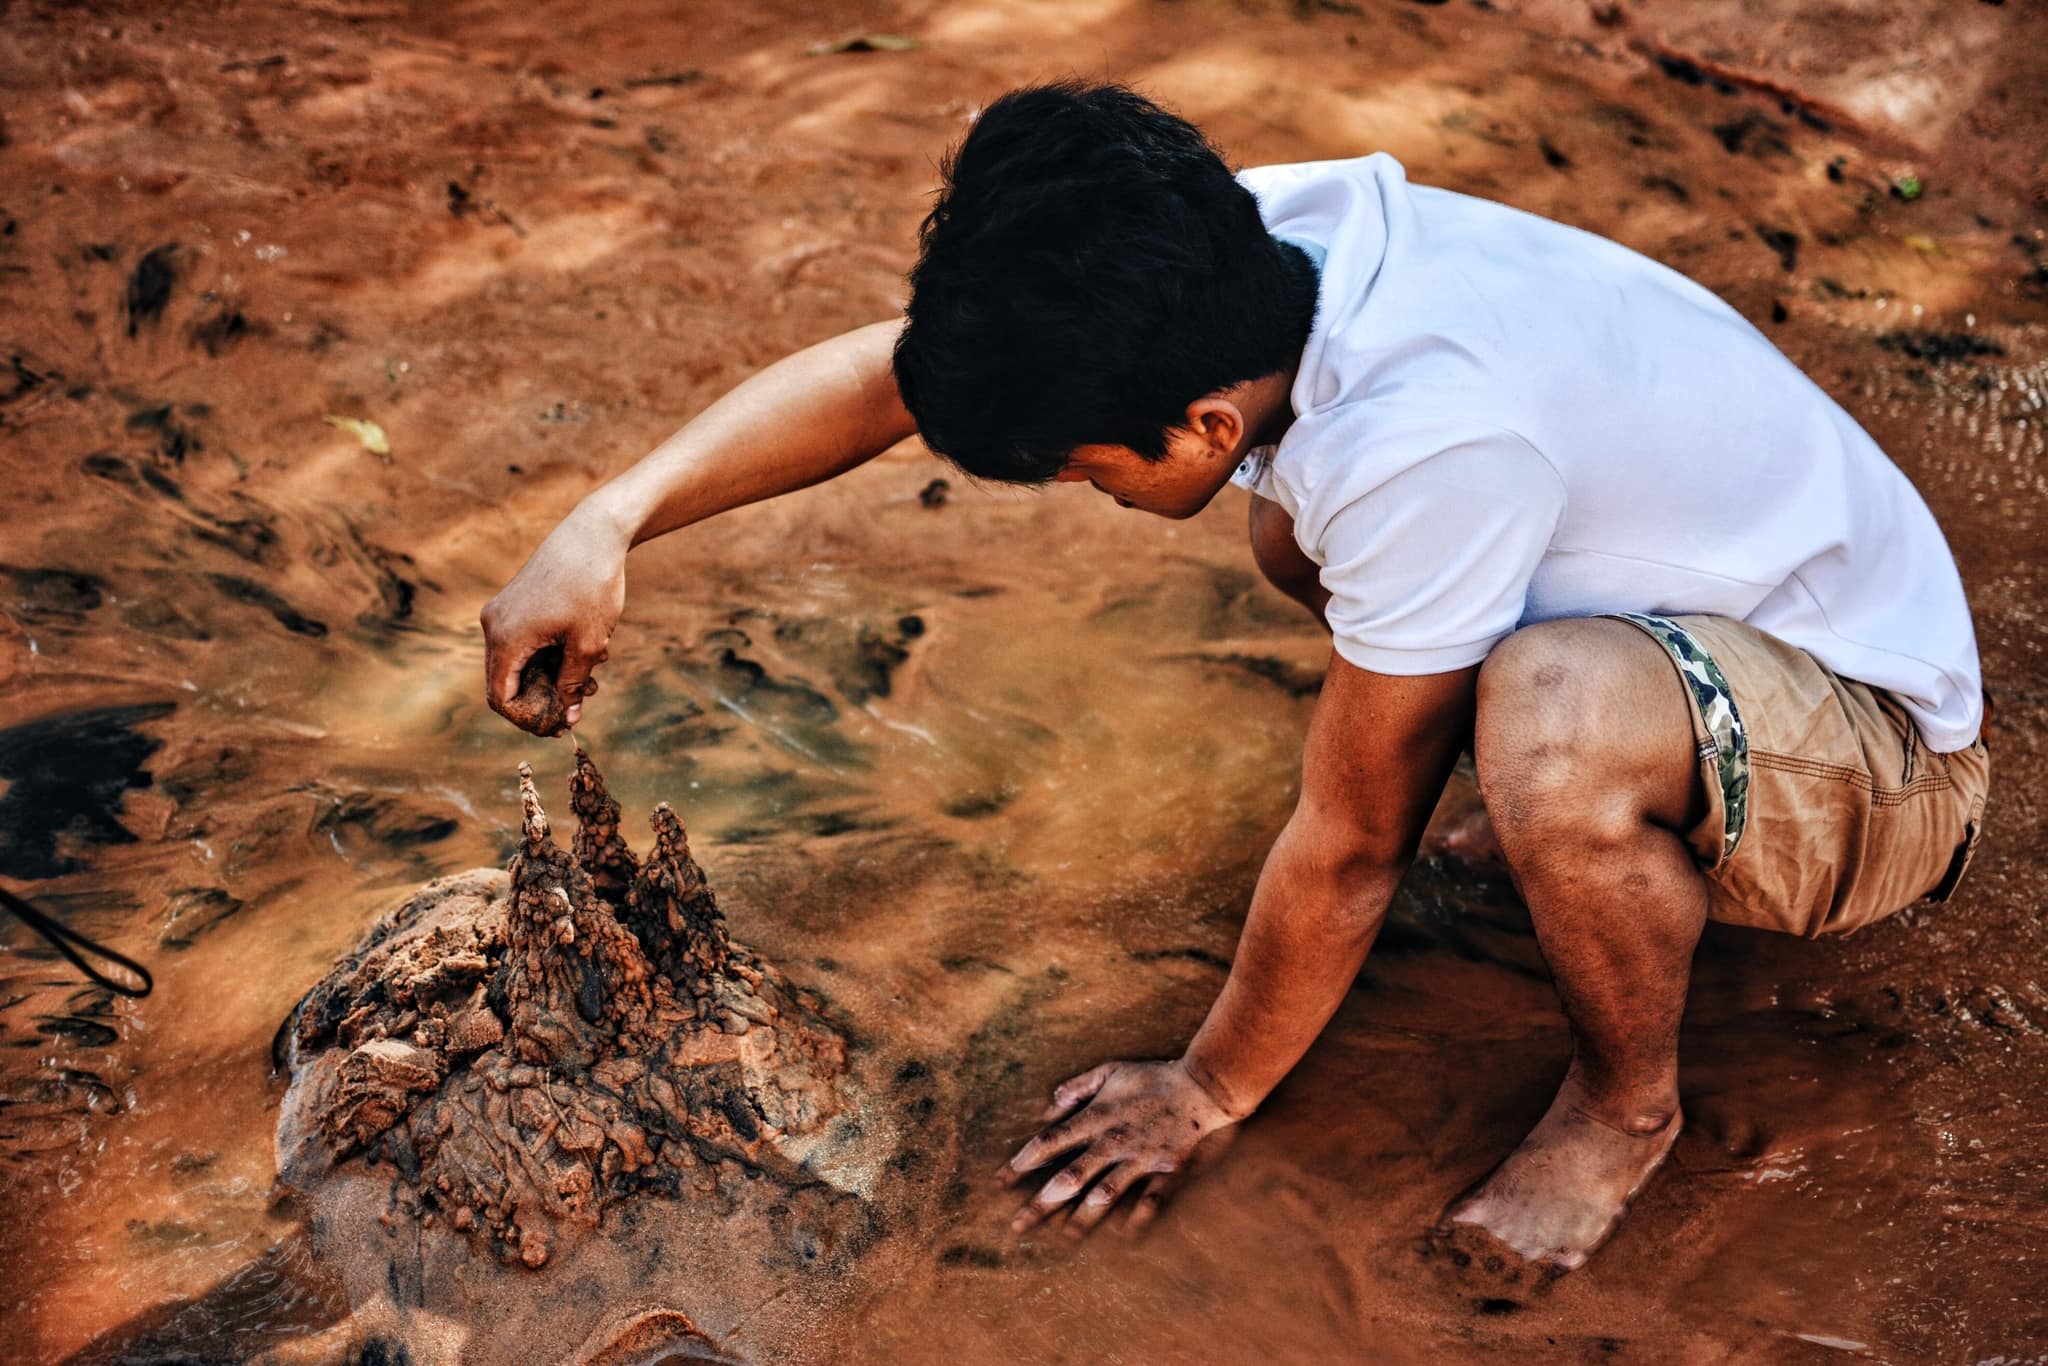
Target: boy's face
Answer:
[[1178, 486], [1199, 461]]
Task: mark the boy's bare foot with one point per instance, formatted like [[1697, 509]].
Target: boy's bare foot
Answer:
[[1560, 1194]]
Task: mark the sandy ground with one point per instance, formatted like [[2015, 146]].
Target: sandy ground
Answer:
[[238, 660]]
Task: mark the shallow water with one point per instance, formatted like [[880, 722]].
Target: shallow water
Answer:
[[994, 777]]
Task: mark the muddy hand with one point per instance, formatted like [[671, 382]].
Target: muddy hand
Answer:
[[1124, 1128], [548, 628], [539, 705]]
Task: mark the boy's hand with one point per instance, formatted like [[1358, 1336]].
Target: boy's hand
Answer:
[[569, 594], [1129, 1127]]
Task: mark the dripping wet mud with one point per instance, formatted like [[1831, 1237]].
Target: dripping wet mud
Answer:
[[984, 778]]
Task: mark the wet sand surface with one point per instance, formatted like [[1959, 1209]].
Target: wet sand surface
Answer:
[[992, 777]]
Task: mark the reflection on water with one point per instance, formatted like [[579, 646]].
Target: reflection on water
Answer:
[[993, 776]]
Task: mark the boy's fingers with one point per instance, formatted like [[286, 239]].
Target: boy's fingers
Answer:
[[1101, 1199], [570, 682], [1050, 1143], [1157, 1188], [1070, 1182], [1076, 1091], [574, 683], [502, 666]]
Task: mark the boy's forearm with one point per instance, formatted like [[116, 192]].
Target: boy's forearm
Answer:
[[810, 416], [1313, 919]]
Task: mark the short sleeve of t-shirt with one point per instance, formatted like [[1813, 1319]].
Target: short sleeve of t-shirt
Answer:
[[1429, 568]]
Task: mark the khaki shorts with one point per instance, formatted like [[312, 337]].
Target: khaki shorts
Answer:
[[1825, 810]]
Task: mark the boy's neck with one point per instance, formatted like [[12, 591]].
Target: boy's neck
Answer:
[[1267, 404]]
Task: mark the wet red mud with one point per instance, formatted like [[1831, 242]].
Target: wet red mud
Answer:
[[990, 773]]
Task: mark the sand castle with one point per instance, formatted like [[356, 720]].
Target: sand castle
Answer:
[[518, 1054]]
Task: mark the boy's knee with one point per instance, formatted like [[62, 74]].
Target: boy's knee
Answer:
[[1539, 737]]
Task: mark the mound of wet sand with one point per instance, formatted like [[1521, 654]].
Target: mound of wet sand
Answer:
[[512, 1062]]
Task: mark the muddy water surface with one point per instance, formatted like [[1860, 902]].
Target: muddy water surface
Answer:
[[994, 777]]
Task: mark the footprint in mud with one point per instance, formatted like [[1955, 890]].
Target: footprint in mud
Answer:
[[1468, 1263]]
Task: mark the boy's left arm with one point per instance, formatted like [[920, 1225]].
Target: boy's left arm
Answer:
[[1378, 752]]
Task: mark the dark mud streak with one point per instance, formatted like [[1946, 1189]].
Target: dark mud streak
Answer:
[[1189, 955], [149, 286], [1265, 668], [54, 594], [281, 1296], [1693, 70], [174, 440], [221, 331], [1754, 131], [979, 804], [67, 776], [256, 595], [386, 821], [1938, 348], [22, 379], [192, 911], [83, 1033], [1782, 241], [397, 594]]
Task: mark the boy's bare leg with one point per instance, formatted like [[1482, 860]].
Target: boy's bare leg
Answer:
[[1587, 765]]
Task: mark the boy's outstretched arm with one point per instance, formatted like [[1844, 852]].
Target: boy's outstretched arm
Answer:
[[1378, 751], [804, 419]]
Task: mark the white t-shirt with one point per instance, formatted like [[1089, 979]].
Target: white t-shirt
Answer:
[[1503, 420]]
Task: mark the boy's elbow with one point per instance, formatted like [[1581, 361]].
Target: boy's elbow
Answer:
[[1356, 868]]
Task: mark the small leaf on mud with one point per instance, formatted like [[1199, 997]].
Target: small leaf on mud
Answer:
[[1907, 187], [1926, 246], [369, 433], [865, 42]]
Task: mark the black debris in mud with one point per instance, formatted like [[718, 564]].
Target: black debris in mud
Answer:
[[256, 595], [42, 595], [149, 286], [174, 439], [1782, 241], [1937, 348], [66, 777]]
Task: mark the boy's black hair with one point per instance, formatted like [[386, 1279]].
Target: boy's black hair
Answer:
[[1089, 269]]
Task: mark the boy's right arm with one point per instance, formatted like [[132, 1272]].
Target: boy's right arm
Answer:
[[804, 419]]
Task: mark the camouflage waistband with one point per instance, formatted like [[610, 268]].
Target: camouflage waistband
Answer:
[[1717, 708]]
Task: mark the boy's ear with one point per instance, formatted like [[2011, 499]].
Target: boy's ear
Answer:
[[1217, 421]]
